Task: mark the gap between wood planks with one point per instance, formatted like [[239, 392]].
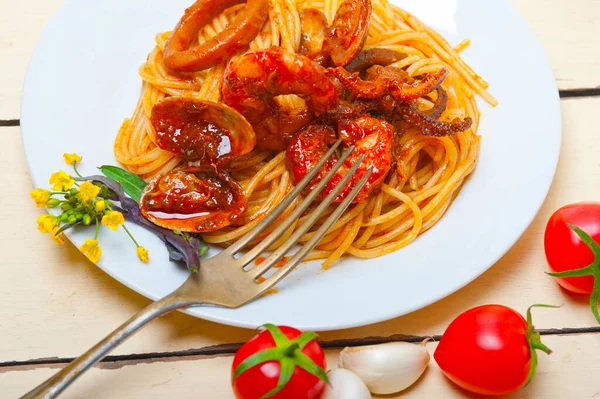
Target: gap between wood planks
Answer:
[[565, 94], [118, 361], [10, 122]]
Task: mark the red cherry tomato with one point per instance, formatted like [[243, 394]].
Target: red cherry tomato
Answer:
[[489, 350], [262, 378], [572, 249], [565, 250]]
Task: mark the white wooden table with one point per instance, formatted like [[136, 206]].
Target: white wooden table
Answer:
[[55, 303]]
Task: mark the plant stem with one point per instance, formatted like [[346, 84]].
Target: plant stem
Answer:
[[130, 236], [75, 169], [289, 351], [593, 269], [97, 229], [542, 347]]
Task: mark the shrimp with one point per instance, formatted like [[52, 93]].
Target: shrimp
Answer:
[[252, 81], [238, 35], [349, 30], [371, 138]]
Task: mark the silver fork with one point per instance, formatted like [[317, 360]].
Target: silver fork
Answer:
[[225, 280]]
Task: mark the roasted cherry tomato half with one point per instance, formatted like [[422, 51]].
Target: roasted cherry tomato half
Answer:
[[190, 202]]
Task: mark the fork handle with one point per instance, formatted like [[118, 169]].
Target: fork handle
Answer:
[[53, 386]]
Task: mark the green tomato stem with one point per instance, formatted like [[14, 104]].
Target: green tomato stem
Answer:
[[593, 269], [535, 340], [289, 355], [542, 347], [289, 351]]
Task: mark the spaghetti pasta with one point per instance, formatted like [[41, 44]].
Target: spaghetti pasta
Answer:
[[430, 170]]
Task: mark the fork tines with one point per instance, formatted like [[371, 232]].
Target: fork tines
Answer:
[[264, 266]]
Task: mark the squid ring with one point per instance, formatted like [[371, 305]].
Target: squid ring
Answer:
[[179, 56]]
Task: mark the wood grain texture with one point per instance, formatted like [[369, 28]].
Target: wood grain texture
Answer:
[[570, 372], [21, 25], [565, 29], [57, 304]]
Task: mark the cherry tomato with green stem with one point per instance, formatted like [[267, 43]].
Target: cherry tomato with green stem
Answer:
[[572, 250], [490, 350], [280, 363]]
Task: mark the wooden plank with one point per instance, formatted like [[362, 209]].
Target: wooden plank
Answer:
[[570, 372], [566, 32], [21, 25], [56, 303], [47, 288]]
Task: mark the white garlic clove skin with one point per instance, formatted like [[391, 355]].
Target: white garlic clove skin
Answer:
[[386, 368], [344, 384]]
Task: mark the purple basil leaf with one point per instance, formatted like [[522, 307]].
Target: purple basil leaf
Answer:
[[199, 245], [174, 254], [188, 251]]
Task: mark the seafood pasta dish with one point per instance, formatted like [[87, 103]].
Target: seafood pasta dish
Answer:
[[241, 99]]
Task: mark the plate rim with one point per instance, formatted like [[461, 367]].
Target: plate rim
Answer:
[[230, 318]]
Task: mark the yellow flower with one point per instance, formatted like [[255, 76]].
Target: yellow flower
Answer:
[[91, 249], [100, 205], [61, 180], [46, 223], [71, 158], [40, 196], [113, 219], [88, 190], [58, 238], [142, 253]]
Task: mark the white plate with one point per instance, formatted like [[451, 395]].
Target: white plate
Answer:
[[82, 82]]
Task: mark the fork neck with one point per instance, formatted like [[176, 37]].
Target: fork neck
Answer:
[[60, 381]]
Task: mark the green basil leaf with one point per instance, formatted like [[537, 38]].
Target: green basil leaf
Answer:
[[132, 184]]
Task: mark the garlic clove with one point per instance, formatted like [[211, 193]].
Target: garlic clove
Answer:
[[344, 384], [386, 368]]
